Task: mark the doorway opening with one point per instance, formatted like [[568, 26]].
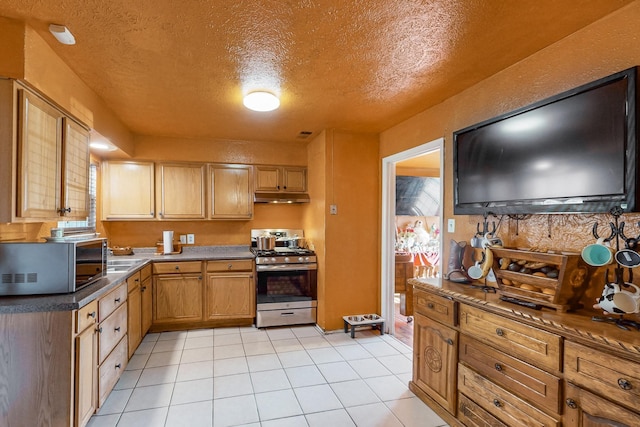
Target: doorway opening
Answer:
[[416, 236]]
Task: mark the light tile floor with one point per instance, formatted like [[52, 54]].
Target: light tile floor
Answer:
[[280, 377]]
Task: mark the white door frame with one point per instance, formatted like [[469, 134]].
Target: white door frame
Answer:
[[388, 231]]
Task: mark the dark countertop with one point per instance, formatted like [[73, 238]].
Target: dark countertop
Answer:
[[76, 300]]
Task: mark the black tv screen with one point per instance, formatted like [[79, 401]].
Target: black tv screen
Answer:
[[574, 152]]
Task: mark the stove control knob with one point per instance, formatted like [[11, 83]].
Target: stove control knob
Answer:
[[286, 259], [272, 259], [300, 259]]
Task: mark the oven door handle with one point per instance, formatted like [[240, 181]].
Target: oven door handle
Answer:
[[287, 267]]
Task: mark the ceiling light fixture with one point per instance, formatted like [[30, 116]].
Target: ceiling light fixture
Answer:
[[261, 101], [62, 34]]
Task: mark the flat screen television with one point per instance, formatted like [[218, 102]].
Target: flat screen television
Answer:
[[574, 152]]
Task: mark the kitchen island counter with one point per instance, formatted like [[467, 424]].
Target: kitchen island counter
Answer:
[[76, 300]]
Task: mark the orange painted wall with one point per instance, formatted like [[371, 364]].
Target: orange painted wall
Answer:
[[351, 247], [605, 47], [12, 34]]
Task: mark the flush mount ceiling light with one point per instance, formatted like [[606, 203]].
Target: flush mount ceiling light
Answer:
[[261, 101], [62, 34]]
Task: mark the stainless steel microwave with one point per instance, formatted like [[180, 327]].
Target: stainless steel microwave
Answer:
[[28, 268]]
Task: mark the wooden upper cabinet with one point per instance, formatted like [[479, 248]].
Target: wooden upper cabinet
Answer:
[[128, 190], [230, 192], [75, 190], [52, 162], [39, 157], [180, 189], [290, 179]]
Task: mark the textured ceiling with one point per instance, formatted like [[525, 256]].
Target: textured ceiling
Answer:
[[180, 68]]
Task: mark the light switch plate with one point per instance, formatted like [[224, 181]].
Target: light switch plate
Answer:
[[451, 226], [333, 209], [183, 239]]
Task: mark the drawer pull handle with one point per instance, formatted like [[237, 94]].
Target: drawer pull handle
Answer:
[[117, 329], [229, 266], [430, 305], [499, 332], [497, 403], [498, 367], [92, 314], [177, 267], [571, 403], [118, 366], [288, 313], [117, 300], [624, 384]]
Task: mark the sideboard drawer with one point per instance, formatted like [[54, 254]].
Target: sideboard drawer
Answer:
[[541, 348], [612, 377], [473, 415], [86, 316], [519, 377], [500, 403], [436, 307]]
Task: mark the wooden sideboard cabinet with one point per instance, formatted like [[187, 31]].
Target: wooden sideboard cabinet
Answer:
[[435, 347], [479, 361]]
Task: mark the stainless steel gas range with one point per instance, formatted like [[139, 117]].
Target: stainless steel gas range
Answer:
[[286, 280]]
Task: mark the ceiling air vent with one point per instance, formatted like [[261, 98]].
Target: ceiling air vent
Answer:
[[304, 134]]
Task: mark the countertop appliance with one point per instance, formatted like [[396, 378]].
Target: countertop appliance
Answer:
[[55, 267], [286, 280]]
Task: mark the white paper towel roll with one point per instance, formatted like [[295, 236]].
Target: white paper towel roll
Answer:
[[167, 240]]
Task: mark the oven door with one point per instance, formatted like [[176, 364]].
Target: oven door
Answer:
[[286, 283]]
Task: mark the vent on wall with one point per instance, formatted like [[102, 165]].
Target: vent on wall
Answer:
[[304, 134]]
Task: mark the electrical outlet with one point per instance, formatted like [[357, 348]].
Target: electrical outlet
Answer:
[[191, 239], [451, 226], [183, 239], [333, 209]]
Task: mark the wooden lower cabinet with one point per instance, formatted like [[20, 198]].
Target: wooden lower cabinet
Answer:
[[134, 312], [86, 346], [146, 292], [112, 340], [177, 292], [230, 290], [585, 409], [435, 357]]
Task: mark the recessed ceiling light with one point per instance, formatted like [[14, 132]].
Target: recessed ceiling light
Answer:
[[261, 101], [62, 34]]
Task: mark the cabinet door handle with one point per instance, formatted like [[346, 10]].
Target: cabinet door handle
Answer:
[[142, 289], [497, 403], [151, 213], [498, 367], [430, 305], [624, 384], [499, 332], [92, 314], [116, 329], [449, 341], [571, 403], [99, 329]]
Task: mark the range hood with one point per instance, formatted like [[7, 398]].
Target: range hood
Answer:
[[281, 198]]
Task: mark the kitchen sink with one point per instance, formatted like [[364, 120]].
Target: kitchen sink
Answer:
[[121, 265]]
